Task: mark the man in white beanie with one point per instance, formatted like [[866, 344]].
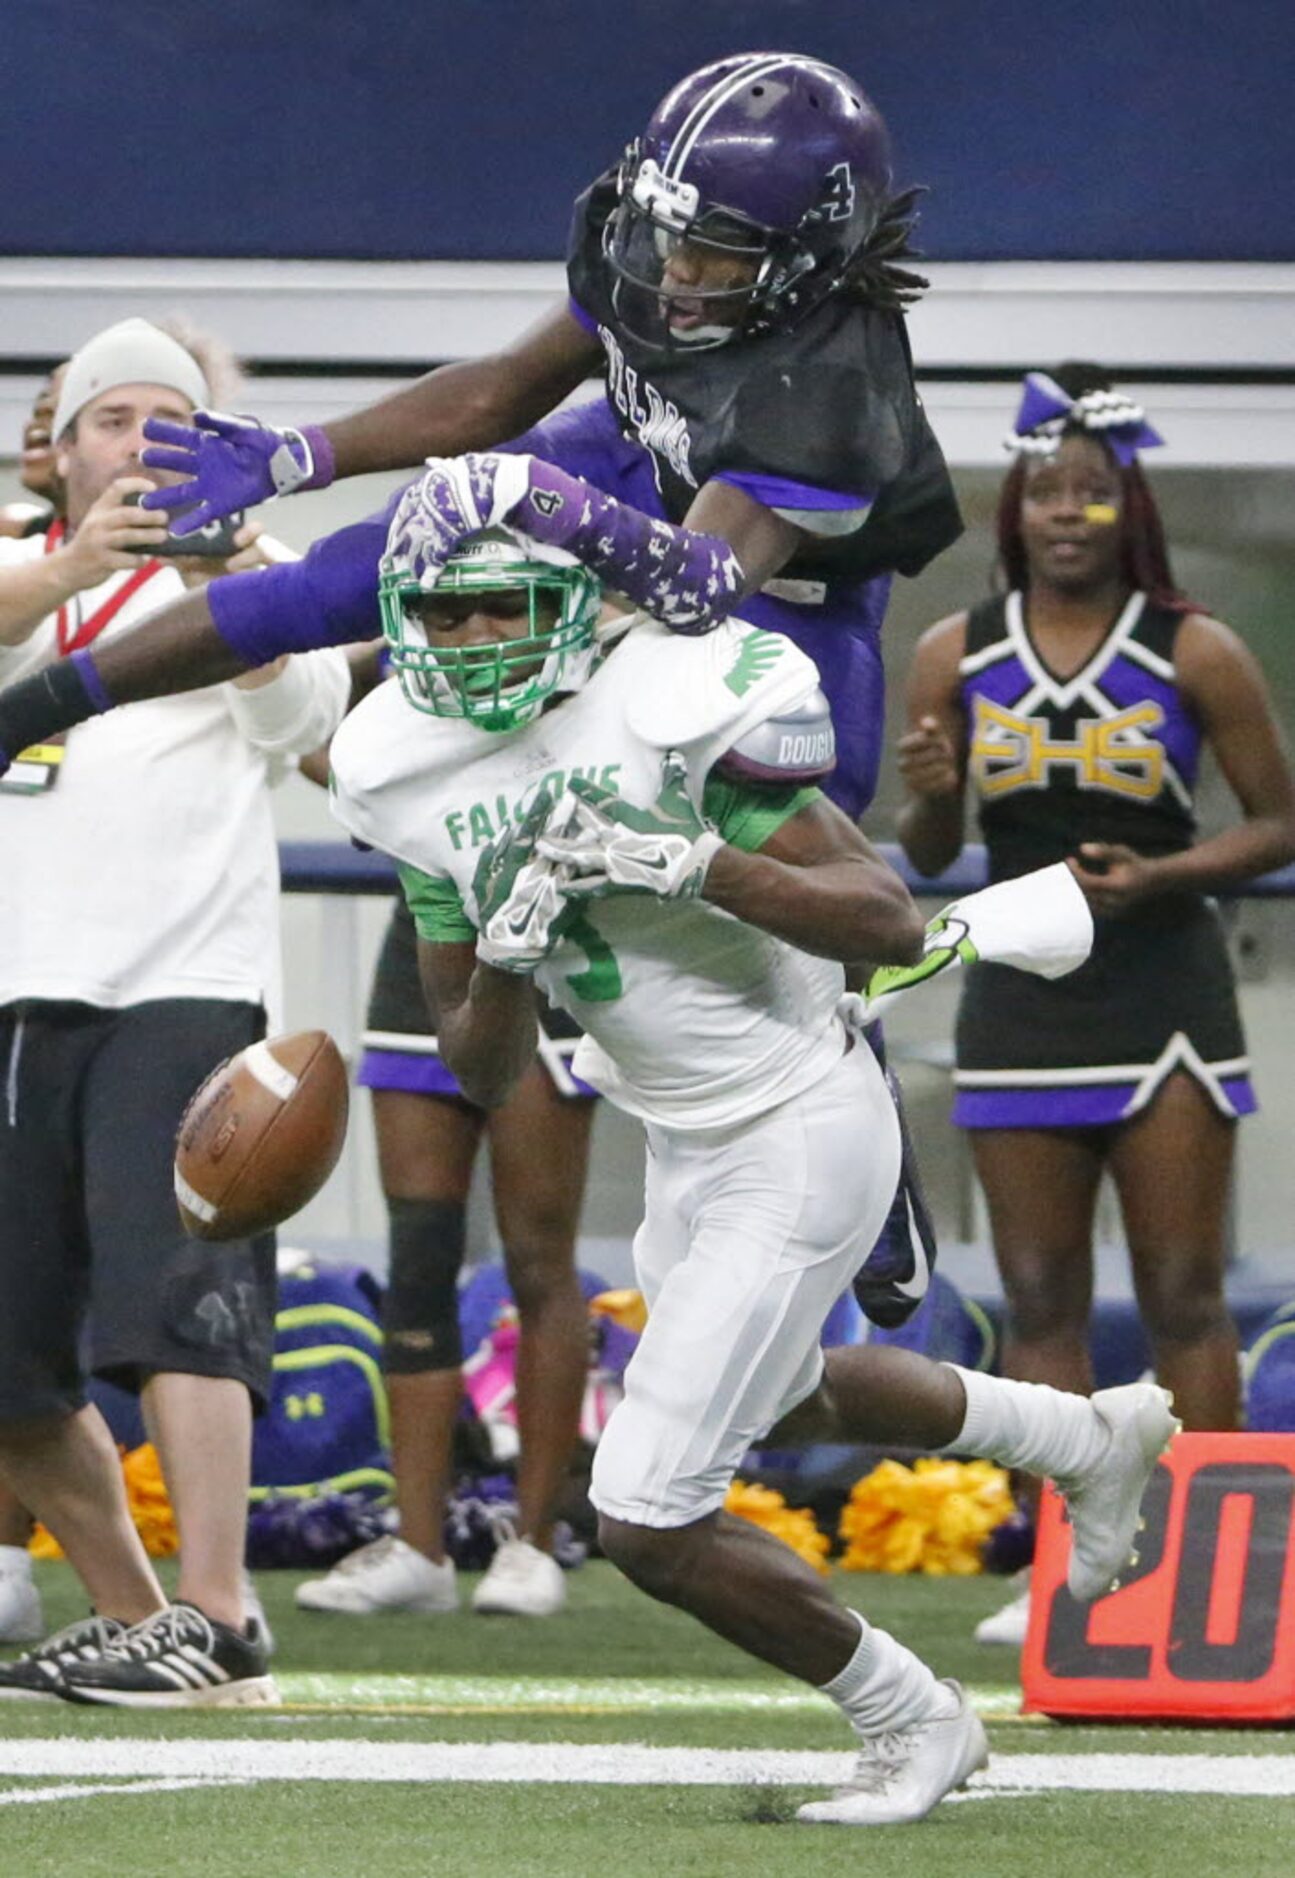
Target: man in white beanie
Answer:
[[138, 947]]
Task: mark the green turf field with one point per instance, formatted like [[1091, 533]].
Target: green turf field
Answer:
[[617, 1737]]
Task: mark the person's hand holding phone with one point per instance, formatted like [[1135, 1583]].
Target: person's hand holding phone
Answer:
[[242, 552], [214, 541], [114, 533]]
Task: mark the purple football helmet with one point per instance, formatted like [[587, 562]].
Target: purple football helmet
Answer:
[[755, 185]]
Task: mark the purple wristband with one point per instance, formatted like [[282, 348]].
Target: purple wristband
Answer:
[[88, 672], [323, 462], [688, 581]]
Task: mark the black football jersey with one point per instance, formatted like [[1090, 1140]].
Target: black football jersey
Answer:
[[830, 404]]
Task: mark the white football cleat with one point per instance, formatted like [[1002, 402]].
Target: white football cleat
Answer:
[[522, 1582], [1104, 1503], [1009, 1623], [21, 1617], [900, 1775], [386, 1575]]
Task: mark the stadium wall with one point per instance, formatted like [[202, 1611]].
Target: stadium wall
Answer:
[[376, 130]]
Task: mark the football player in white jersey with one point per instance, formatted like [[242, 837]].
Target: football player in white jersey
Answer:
[[632, 823], [630, 820]]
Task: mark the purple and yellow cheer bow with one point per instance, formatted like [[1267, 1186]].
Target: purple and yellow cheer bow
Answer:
[[1046, 412]]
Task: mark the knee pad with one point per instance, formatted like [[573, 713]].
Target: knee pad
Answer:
[[420, 1315]]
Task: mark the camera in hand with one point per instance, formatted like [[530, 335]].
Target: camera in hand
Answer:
[[214, 541]]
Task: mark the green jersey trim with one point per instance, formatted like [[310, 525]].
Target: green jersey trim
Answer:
[[748, 815], [437, 907]]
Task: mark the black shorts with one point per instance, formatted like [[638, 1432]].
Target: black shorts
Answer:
[[88, 1222], [400, 1032], [1156, 995]]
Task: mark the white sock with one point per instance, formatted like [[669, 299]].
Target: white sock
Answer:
[[1028, 1425], [15, 1561], [884, 1686]]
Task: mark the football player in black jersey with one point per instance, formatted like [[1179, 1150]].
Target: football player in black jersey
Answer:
[[760, 442], [737, 276]]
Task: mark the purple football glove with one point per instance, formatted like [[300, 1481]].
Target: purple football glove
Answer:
[[688, 580], [456, 497], [231, 463]]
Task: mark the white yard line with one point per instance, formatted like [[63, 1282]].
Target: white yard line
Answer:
[[71, 1790], [580, 1694], [563, 1763]]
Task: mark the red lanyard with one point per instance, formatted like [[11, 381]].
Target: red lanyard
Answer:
[[73, 636]]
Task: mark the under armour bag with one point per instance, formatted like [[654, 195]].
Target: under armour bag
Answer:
[[1269, 1370], [326, 1430]]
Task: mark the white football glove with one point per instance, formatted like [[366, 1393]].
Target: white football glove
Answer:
[[520, 905], [524, 930], [607, 845], [1040, 922]]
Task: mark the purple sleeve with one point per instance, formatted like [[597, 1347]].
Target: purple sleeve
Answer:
[[687, 580], [779, 492], [582, 318], [328, 599]]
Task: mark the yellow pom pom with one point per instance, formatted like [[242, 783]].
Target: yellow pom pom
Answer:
[[147, 1498], [628, 1309], [932, 1517], [149, 1508], [794, 1525], [43, 1544]]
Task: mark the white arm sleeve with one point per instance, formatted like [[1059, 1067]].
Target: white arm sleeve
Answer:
[[300, 709]]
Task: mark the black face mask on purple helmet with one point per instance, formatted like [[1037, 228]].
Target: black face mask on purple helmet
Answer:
[[773, 164]]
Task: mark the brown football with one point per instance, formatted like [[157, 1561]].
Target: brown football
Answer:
[[261, 1136]]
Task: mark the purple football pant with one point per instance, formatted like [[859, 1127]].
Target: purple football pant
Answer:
[[840, 631]]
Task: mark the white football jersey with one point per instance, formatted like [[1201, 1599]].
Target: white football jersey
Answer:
[[692, 1018]]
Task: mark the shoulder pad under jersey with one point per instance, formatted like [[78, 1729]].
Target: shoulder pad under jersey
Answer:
[[790, 746], [388, 763], [706, 693]]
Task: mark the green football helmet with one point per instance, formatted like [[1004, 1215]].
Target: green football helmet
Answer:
[[503, 686]]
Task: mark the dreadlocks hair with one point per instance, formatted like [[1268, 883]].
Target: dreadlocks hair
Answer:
[[1144, 556], [875, 277]]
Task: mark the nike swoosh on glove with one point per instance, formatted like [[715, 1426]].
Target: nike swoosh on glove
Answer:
[[527, 927], [521, 908], [607, 845], [230, 463], [1039, 922]]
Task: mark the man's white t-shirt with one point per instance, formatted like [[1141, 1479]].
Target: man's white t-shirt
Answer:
[[150, 868]]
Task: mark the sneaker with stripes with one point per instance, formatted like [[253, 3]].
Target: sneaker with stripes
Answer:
[[38, 1673], [178, 1658]]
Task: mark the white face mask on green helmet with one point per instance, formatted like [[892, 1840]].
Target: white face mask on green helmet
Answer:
[[504, 685]]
